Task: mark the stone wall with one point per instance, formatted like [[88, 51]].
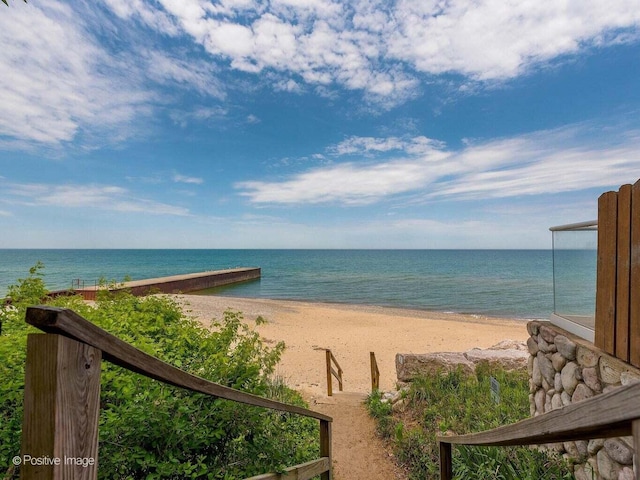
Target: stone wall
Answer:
[[565, 369]]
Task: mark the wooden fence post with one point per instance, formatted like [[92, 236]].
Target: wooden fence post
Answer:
[[375, 373], [634, 307], [329, 389], [325, 447], [61, 409], [446, 466], [605, 328], [623, 273]]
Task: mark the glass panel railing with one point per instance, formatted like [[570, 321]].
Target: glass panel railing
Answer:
[[574, 272]]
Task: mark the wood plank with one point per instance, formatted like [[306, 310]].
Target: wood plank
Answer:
[[446, 464], [606, 273], [375, 372], [325, 448], [634, 307], [636, 446], [335, 361], [604, 416], [70, 324], [304, 471], [623, 270], [329, 372], [61, 408]]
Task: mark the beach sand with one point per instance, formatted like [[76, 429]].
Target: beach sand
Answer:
[[351, 332]]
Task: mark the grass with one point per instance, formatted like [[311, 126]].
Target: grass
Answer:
[[456, 403]]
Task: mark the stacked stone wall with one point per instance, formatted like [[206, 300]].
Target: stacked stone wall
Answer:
[[565, 369]]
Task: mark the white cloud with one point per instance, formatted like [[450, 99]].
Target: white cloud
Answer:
[[178, 178], [57, 80], [198, 75], [253, 119], [491, 40], [107, 197], [545, 162], [377, 46], [200, 114], [4, 213], [368, 145], [138, 9]]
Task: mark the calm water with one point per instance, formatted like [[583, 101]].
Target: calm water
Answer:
[[515, 283]]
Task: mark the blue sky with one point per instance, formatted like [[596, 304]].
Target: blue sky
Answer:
[[313, 123]]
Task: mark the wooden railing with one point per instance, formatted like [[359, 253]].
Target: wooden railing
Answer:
[[613, 414], [617, 323], [375, 372], [62, 396], [331, 372]]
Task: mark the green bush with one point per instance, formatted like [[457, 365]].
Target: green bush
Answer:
[[458, 403], [152, 430]]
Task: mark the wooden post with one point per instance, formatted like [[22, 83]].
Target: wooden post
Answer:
[[634, 307], [446, 466], [325, 447], [329, 389], [623, 273], [605, 327], [61, 409], [375, 373]]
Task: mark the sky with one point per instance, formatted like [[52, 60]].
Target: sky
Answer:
[[313, 123]]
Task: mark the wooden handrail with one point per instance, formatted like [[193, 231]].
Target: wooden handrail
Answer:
[[375, 372], [62, 380], [68, 323], [613, 414], [331, 359]]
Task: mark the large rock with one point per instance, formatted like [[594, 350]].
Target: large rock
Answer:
[[509, 359], [546, 368], [565, 347], [619, 451], [410, 365], [569, 377], [508, 354], [509, 345]]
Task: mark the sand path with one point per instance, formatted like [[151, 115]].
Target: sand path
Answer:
[[351, 332]]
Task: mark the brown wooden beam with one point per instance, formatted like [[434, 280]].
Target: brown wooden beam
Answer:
[[605, 326], [634, 300], [61, 409], [623, 271]]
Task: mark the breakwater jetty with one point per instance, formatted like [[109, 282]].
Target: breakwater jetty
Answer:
[[190, 282]]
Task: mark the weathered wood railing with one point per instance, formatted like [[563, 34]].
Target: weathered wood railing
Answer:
[[613, 414], [331, 372], [375, 372], [62, 396], [617, 323]]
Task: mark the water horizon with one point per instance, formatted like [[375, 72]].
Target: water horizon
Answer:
[[506, 283]]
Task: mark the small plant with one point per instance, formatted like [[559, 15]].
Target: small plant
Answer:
[[459, 403]]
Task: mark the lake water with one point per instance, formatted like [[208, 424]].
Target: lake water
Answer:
[[513, 283]]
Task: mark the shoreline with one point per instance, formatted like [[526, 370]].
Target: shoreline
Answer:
[[351, 331], [418, 311]]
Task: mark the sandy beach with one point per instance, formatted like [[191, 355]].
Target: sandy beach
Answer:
[[351, 332]]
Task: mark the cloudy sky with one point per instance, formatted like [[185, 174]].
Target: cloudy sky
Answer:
[[313, 123]]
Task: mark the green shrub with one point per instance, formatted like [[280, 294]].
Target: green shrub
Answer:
[[152, 430], [458, 403]]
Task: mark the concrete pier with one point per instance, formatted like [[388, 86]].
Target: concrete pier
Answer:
[[189, 282]]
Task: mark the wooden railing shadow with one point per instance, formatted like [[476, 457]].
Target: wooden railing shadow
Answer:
[[612, 414], [62, 396]]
